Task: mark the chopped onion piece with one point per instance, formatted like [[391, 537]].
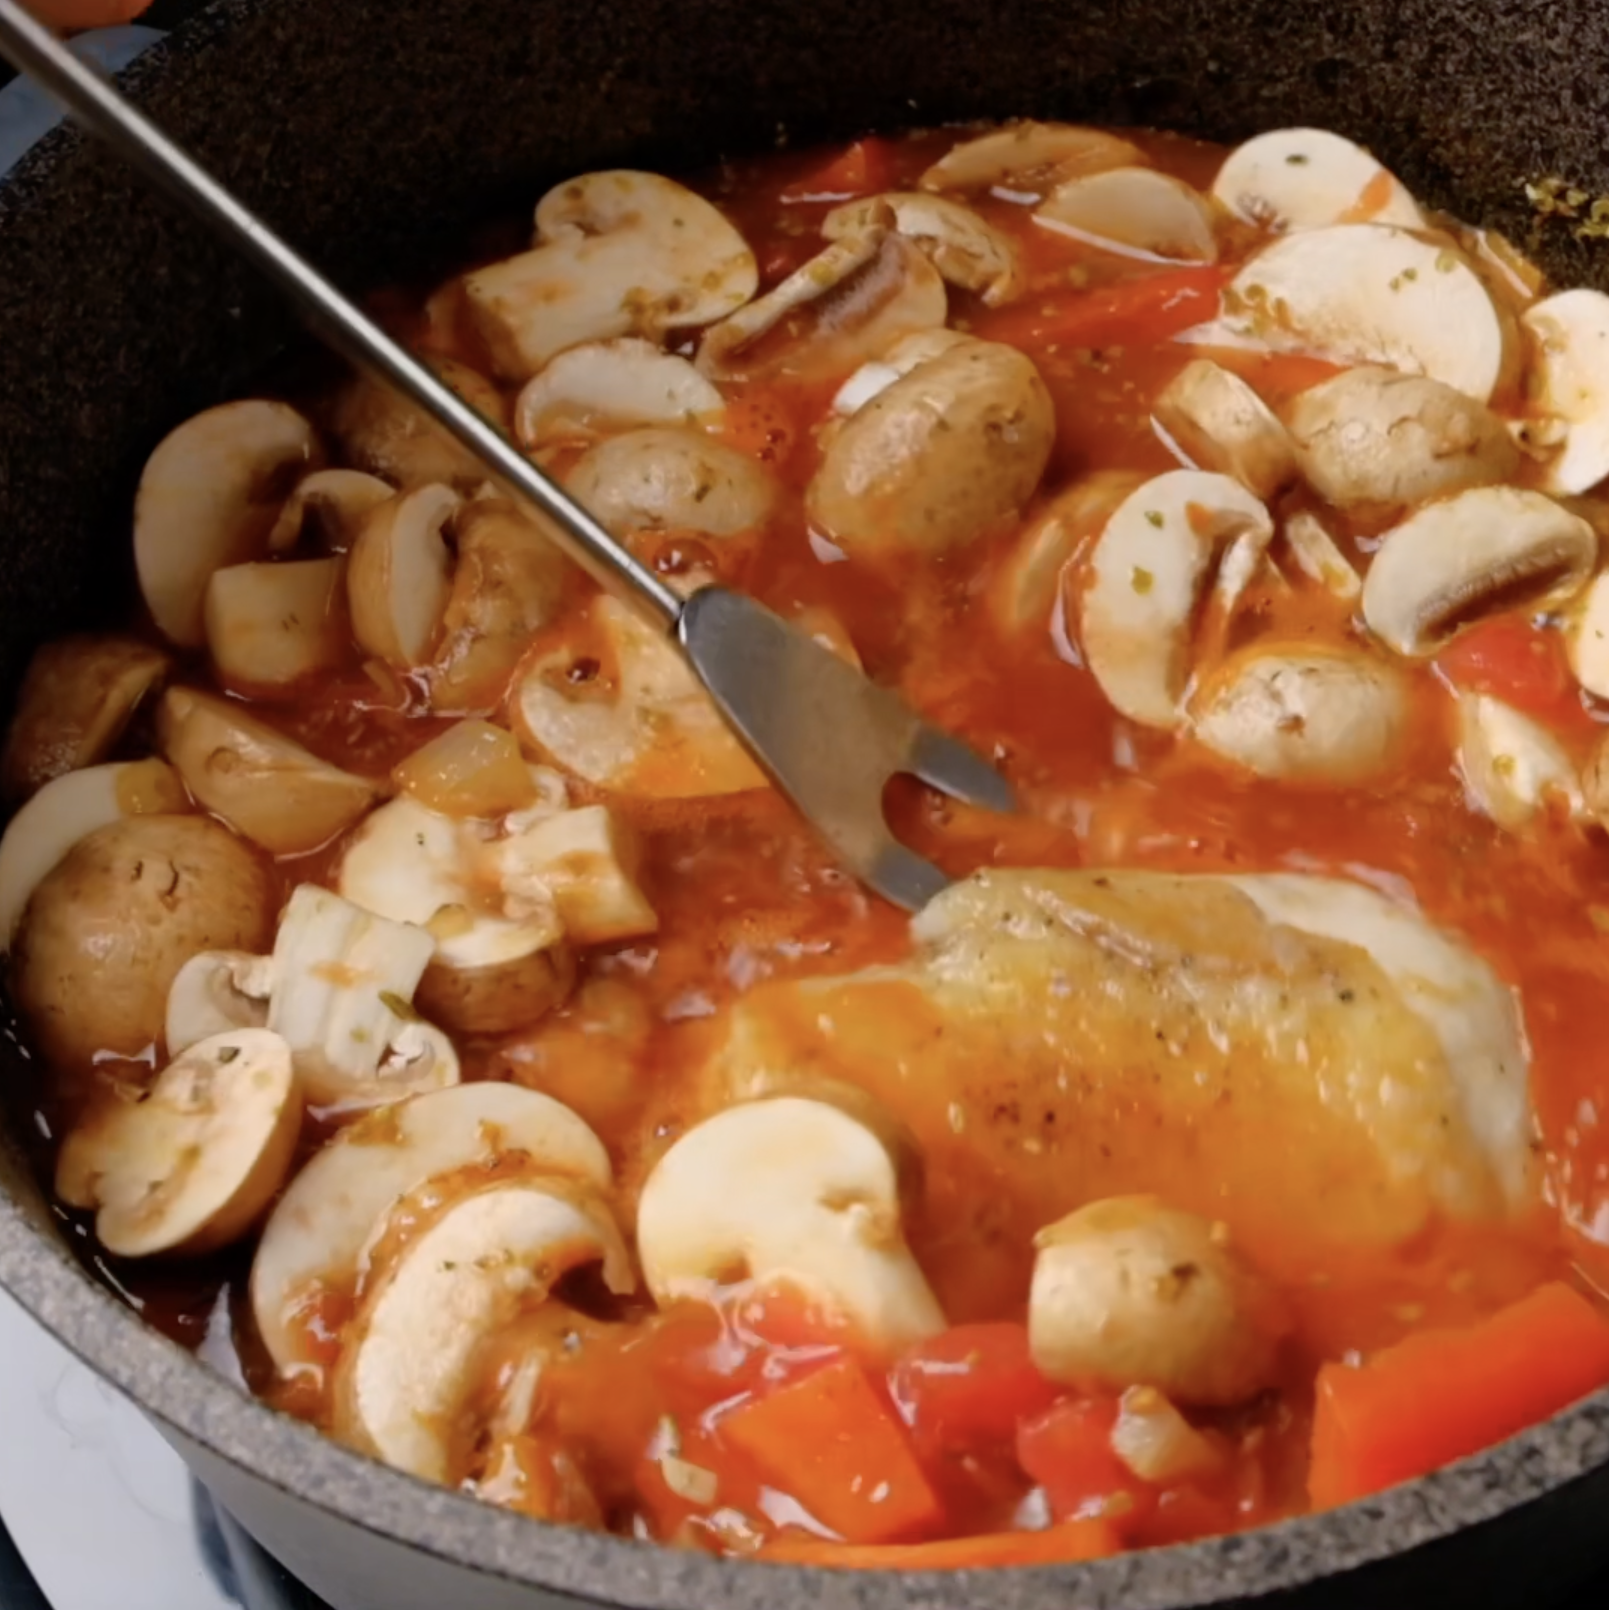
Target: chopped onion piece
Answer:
[[1156, 1442], [471, 769]]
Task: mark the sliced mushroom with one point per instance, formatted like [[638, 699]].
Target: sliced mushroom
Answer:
[[76, 699], [877, 375], [192, 1165], [792, 1191], [508, 583], [344, 981], [1147, 573], [1292, 179], [966, 249], [406, 1374], [1129, 1292], [1029, 157], [1136, 212], [386, 436], [399, 575], [271, 626], [1219, 423], [938, 458], [214, 992], [1586, 639], [1379, 436], [1512, 766], [208, 497], [497, 966], [1318, 556], [265, 786], [320, 1227], [1308, 714], [109, 926], [1453, 563], [331, 505], [618, 253], [610, 385], [852, 301], [1568, 384], [69, 808], [672, 480], [1369, 293], [619, 708]]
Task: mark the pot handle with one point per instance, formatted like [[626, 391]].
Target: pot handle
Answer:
[[28, 113]]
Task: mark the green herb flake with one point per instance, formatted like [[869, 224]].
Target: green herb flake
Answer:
[[1297, 159], [1142, 580], [228, 1053], [1154, 517], [398, 1007], [1446, 261]]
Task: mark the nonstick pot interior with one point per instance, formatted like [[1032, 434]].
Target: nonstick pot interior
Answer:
[[372, 134]]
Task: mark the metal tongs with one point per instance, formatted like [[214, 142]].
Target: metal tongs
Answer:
[[825, 735]]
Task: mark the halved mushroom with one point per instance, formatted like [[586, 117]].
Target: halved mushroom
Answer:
[[1029, 157], [321, 1226], [852, 300], [1219, 423], [408, 1369], [938, 458], [1318, 556], [1370, 293], [617, 706], [399, 575], [387, 436], [1136, 212], [214, 992], [1129, 1292], [1379, 436], [1027, 592], [964, 247], [332, 505], [792, 1191], [878, 374], [1567, 383], [1153, 561], [1304, 714], [664, 479], [270, 626], [617, 253], [77, 697], [109, 926], [190, 1166], [508, 583], [69, 808], [1586, 639], [208, 497], [1453, 563], [344, 981], [265, 786], [1292, 179], [1512, 766], [501, 961], [609, 385]]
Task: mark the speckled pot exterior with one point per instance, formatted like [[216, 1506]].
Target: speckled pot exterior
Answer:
[[370, 131]]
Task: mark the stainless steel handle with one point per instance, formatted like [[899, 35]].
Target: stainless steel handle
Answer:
[[33, 49]]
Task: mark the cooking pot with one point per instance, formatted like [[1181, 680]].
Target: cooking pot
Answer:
[[373, 133]]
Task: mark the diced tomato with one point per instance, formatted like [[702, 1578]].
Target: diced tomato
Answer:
[[832, 1441], [970, 1386], [861, 169], [1441, 1394], [1130, 313], [1077, 1540], [1068, 1451], [1511, 660]]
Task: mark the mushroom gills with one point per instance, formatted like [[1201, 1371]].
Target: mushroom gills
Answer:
[[966, 249]]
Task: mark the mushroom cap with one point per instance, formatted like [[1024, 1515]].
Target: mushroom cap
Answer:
[[1373, 435], [109, 927], [1567, 381], [939, 457], [608, 385], [1220, 424], [665, 479], [321, 1226], [1027, 156], [208, 497], [1291, 179], [190, 1167], [399, 575], [330, 503], [386, 436], [1456, 561], [962, 245], [271, 626], [791, 1190], [1136, 212]]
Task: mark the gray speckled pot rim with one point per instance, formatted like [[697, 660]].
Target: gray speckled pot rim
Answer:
[[190, 1397]]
